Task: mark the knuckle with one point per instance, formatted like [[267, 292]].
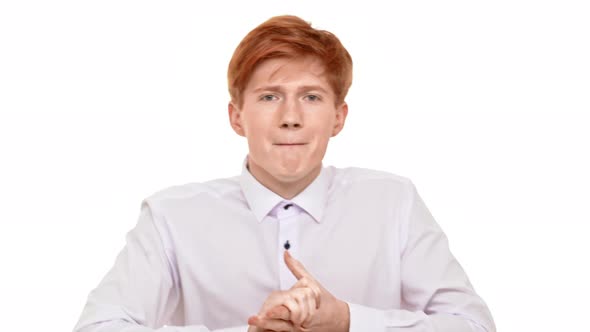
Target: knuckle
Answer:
[[317, 290], [299, 292]]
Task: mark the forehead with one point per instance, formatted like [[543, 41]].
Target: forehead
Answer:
[[286, 71]]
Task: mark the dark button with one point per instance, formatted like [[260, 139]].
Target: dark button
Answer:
[[287, 245], [286, 207]]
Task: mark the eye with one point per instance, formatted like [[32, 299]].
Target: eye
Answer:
[[313, 98], [268, 97]]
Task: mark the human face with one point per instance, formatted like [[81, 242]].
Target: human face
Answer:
[[288, 115]]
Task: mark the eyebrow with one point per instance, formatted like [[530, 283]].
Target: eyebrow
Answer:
[[280, 88]]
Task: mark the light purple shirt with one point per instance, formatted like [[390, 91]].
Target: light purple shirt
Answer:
[[205, 256]]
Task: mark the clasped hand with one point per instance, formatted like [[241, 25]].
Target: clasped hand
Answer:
[[307, 306]]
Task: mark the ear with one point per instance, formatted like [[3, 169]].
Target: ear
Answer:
[[235, 119], [341, 113]]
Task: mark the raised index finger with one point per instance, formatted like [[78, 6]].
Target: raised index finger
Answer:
[[295, 266]]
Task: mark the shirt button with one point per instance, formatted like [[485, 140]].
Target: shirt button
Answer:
[[286, 207]]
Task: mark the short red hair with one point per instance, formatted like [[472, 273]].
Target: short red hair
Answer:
[[290, 37]]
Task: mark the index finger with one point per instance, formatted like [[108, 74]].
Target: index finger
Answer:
[[295, 266]]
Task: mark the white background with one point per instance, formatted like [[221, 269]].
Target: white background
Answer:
[[484, 105]]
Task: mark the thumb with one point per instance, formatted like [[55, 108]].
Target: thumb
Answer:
[[279, 312], [295, 266]]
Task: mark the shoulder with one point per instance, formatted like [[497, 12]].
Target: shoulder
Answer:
[[184, 194], [357, 176], [363, 184]]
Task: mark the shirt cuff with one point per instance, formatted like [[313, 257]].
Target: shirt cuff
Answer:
[[364, 319], [370, 319], [243, 328]]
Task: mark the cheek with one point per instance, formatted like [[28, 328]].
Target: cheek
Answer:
[[255, 124], [320, 144], [257, 135], [321, 147], [255, 139], [323, 128], [324, 132]]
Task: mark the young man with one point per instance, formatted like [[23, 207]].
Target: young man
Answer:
[[220, 255]]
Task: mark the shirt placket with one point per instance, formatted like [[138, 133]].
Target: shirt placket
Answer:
[[288, 238]]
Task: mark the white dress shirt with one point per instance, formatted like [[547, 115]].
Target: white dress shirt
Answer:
[[205, 256]]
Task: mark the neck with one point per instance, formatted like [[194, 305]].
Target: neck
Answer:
[[286, 190]]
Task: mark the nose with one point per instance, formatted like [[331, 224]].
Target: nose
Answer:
[[291, 115]]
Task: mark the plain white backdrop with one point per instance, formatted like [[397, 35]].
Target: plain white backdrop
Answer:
[[484, 105]]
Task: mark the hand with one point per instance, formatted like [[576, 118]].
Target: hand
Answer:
[[284, 311], [293, 310]]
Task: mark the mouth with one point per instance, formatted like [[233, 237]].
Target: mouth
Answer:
[[290, 144]]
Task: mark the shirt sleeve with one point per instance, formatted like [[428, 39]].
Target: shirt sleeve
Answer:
[[140, 293], [129, 327], [437, 296]]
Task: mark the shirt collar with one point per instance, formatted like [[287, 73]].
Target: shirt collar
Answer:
[[262, 200]]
